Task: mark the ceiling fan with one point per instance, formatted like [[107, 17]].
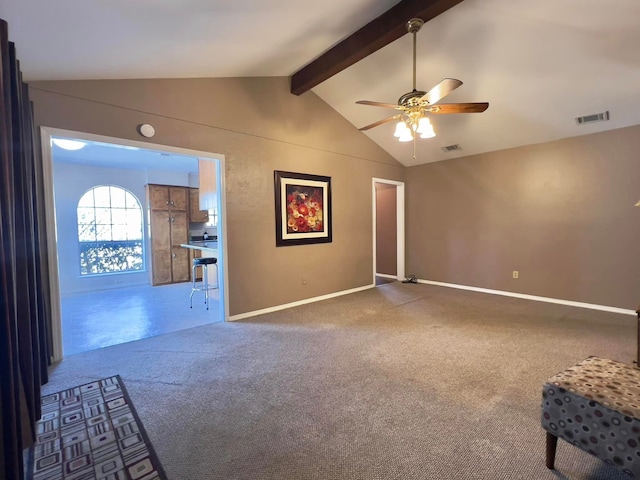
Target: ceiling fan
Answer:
[[415, 105]]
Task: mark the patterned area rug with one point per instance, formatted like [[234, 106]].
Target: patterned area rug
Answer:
[[92, 432]]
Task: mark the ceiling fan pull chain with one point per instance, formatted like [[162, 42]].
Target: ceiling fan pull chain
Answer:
[[414, 146]]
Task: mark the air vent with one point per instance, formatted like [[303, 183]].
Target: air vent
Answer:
[[594, 117], [451, 148]]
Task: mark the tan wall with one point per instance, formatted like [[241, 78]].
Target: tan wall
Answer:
[[259, 127], [561, 213], [386, 229]]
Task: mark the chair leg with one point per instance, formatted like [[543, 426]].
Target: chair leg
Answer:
[[552, 443]]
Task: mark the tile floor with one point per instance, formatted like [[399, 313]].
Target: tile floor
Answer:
[[109, 317]]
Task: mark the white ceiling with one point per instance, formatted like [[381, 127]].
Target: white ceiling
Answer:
[[539, 63], [122, 157]]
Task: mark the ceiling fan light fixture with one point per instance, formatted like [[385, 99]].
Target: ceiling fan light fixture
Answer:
[[428, 133], [401, 129], [406, 136], [425, 129]]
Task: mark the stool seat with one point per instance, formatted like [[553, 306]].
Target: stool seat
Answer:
[[205, 260]]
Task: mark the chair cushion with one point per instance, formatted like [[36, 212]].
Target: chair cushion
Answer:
[[595, 405]]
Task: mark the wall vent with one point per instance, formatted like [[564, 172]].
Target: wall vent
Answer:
[[451, 148], [594, 117]]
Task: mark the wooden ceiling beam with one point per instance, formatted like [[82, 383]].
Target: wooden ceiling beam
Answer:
[[381, 31]]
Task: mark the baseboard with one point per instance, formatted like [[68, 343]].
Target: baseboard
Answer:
[[570, 303], [386, 275], [242, 316]]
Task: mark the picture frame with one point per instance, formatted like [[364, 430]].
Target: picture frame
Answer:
[[303, 208]]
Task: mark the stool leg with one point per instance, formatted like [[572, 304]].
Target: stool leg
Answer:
[[217, 278], [205, 278], [552, 443], [193, 285]]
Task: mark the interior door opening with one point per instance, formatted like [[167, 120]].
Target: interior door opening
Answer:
[[100, 239], [388, 231]]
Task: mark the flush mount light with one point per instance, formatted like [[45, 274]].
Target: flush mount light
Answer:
[[146, 130], [67, 144]]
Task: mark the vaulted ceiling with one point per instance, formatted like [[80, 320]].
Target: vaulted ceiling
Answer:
[[539, 63]]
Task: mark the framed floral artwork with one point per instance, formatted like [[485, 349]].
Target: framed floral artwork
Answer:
[[303, 208]]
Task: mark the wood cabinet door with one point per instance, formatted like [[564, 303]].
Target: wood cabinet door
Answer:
[[160, 247], [179, 255], [179, 198], [162, 268], [160, 230], [180, 270], [179, 228], [195, 214], [158, 197]]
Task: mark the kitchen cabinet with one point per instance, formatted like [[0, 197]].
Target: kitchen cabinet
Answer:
[[195, 214], [166, 197], [169, 228]]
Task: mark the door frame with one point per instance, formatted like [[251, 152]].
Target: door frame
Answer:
[[400, 222], [46, 134]]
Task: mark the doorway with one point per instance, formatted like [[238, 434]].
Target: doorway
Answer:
[[89, 305], [388, 231]]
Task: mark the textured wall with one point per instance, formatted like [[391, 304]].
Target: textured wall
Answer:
[[259, 127], [561, 213], [386, 229]]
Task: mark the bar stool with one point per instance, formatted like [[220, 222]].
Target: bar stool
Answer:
[[203, 262]]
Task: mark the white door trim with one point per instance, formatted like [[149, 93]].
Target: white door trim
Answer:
[[47, 166], [400, 254]]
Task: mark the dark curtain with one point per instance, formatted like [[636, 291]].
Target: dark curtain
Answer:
[[24, 281]]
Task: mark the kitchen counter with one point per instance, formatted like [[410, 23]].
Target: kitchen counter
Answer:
[[201, 245]]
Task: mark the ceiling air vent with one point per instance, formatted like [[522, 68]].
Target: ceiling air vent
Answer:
[[595, 117], [451, 148]]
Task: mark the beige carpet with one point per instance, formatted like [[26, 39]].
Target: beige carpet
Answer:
[[403, 381]]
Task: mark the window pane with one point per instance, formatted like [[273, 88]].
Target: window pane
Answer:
[[134, 217], [87, 233], [86, 215], [103, 232], [132, 202], [101, 195], [118, 216], [103, 216], [117, 197], [86, 200], [134, 232], [119, 232]]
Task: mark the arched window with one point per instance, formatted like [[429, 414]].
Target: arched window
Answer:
[[110, 231]]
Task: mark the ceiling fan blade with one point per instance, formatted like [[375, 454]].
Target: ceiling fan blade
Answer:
[[380, 122], [441, 90], [377, 104], [459, 107]]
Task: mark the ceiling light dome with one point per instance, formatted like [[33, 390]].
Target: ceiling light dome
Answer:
[[67, 144]]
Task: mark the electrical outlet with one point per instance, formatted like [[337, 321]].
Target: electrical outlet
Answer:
[[515, 274], [304, 280]]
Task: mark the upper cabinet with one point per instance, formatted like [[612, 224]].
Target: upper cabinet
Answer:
[[207, 176], [163, 197], [195, 214]]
